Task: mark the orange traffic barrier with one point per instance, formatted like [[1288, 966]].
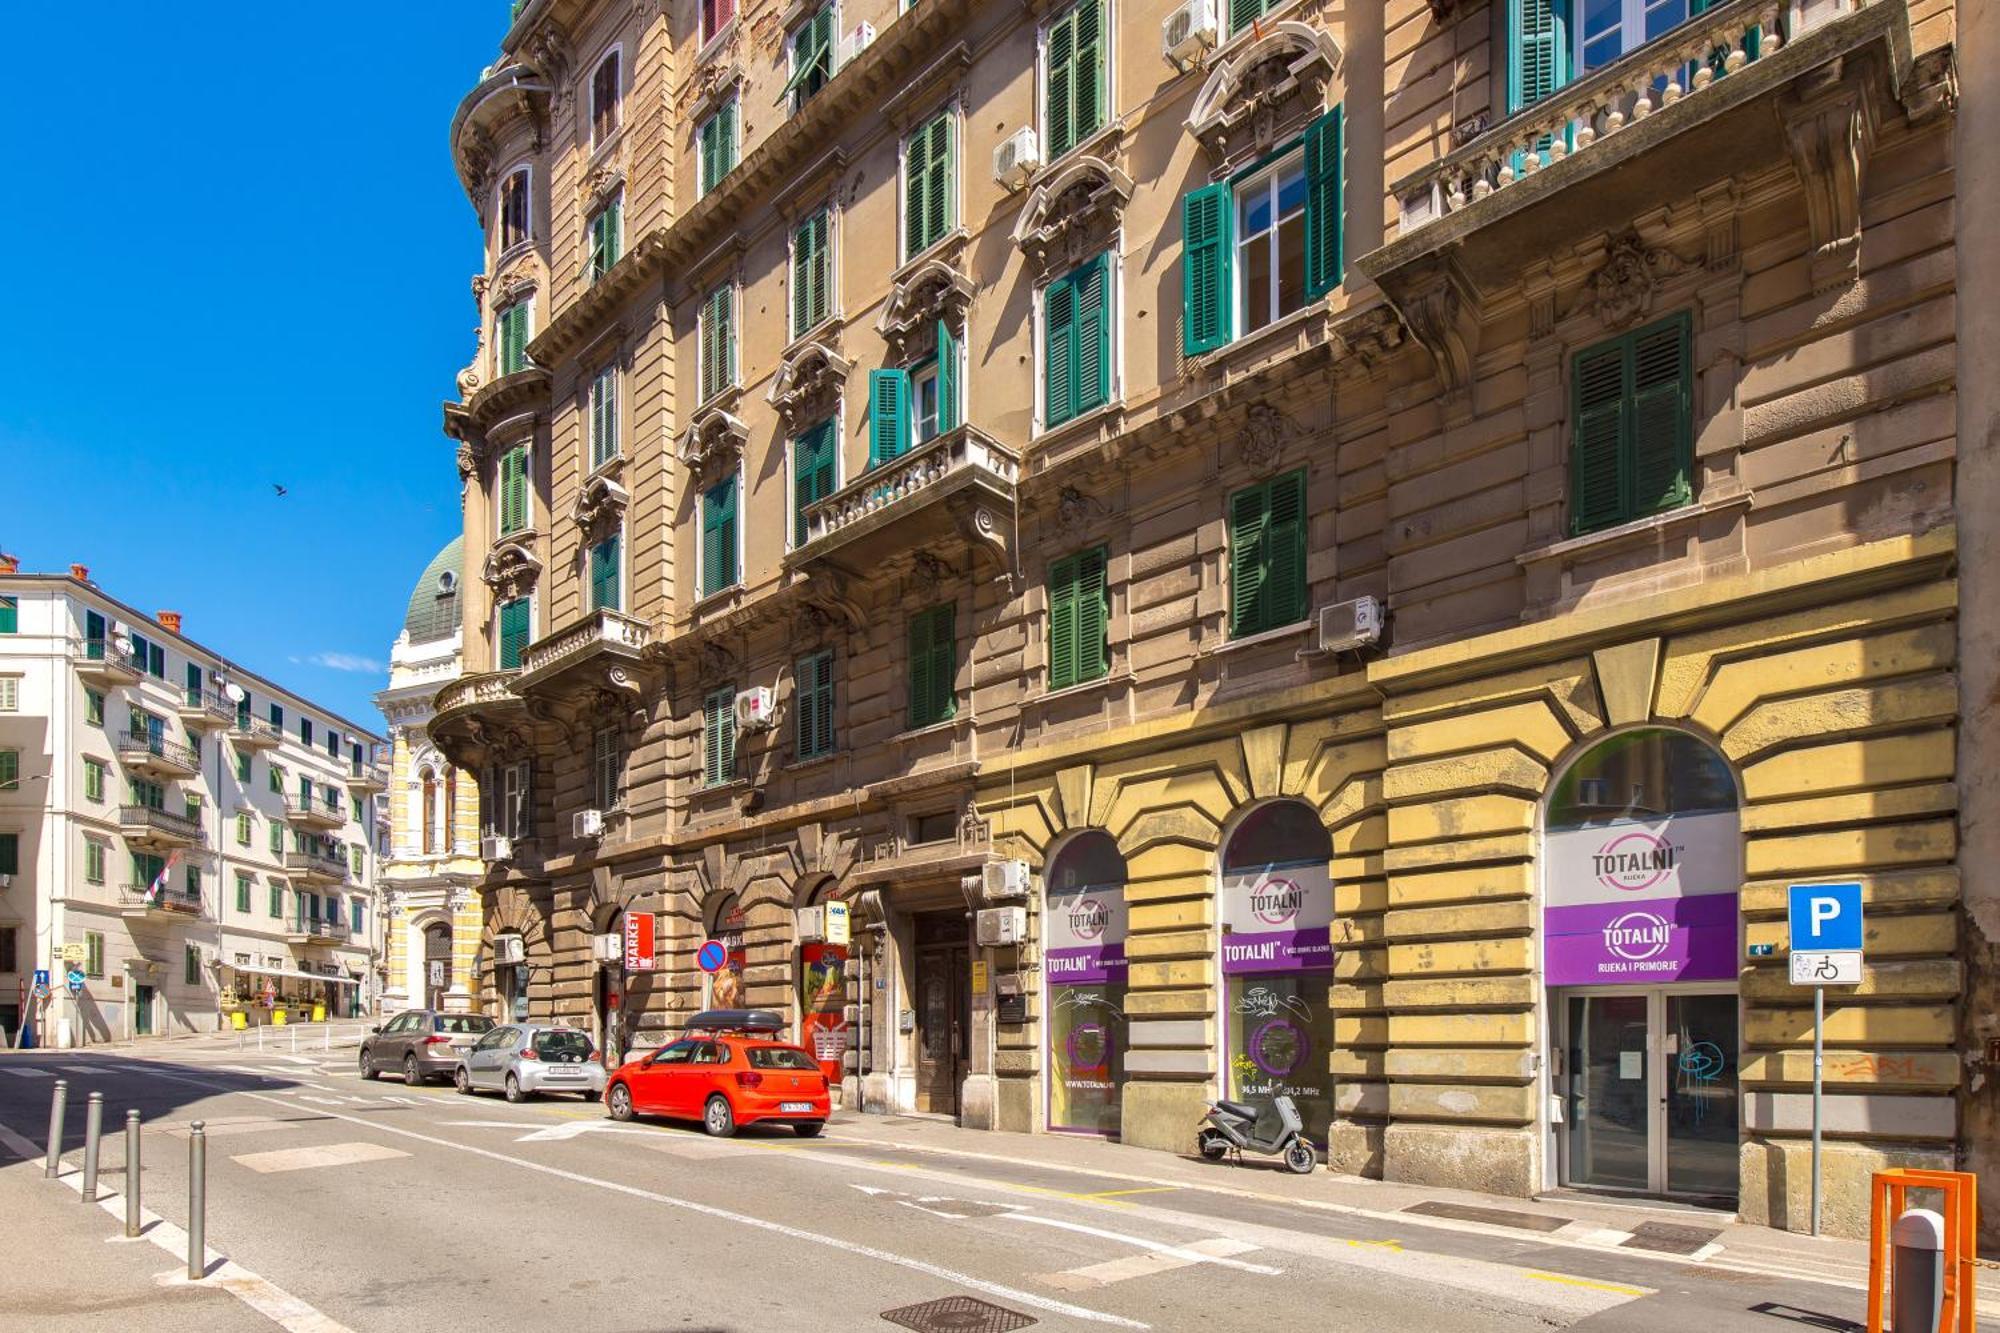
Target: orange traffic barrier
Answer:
[[1889, 1192]]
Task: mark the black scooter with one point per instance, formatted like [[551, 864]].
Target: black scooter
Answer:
[[1230, 1127]]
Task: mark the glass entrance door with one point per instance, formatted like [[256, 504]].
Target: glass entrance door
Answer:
[[1648, 1079]]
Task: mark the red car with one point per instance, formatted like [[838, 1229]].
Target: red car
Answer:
[[728, 1070]]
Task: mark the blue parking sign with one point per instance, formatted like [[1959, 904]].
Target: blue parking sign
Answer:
[[1825, 918]]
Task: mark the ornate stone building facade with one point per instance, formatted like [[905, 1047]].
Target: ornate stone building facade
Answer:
[[1390, 535]]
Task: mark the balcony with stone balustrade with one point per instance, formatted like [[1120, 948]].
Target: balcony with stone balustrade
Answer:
[[603, 640], [954, 489]]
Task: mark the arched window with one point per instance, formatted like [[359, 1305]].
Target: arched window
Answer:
[[1652, 773], [1279, 834], [1084, 925], [427, 795]]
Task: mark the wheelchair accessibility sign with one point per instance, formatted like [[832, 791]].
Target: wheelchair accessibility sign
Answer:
[[1824, 926]]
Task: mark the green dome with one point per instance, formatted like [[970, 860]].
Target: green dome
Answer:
[[434, 602]]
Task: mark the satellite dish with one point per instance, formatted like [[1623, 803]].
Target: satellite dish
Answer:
[[234, 692], [122, 642]]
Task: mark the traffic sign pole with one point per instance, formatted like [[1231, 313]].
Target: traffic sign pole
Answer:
[[1825, 935], [1819, 1059]]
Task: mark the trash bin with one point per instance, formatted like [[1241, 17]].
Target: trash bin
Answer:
[[237, 1020], [319, 1013], [277, 1018]]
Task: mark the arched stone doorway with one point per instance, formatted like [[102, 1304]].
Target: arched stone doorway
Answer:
[[1642, 863], [1277, 960], [437, 971], [1084, 963]]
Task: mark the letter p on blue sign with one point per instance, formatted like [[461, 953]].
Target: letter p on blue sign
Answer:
[[1825, 918]]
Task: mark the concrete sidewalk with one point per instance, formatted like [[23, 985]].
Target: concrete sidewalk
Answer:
[[1680, 1234], [305, 1038]]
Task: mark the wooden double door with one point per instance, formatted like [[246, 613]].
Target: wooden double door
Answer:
[[943, 1010]]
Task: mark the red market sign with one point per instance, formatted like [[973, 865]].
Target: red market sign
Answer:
[[639, 942]]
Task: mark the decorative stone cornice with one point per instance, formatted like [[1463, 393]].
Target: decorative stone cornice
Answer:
[[511, 568], [1270, 85], [809, 380], [1068, 216], [600, 504], [598, 187], [714, 436], [921, 295]]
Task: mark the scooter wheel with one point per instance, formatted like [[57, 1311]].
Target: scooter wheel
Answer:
[[1299, 1157], [1212, 1145]]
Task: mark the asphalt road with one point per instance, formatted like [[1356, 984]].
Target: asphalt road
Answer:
[[371, 1206]]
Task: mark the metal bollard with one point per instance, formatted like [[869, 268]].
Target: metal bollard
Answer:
[[1916, 1275], [131, 1173], [93, 1131], [197, 1228], [58, 1108]]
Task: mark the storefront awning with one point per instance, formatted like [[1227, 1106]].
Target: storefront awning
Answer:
[[327, 977]]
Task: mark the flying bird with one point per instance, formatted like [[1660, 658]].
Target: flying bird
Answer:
[[279, 489]]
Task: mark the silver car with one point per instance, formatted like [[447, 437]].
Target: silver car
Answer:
[[524, 1060]]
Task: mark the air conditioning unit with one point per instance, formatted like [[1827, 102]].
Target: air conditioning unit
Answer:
[[811, 924], [587, 824], [495, 848], [999, 880], [509, 950], [1017, 158], [1354, 624], [856, 41], [607, 948], [756, 709], [1188, 31], [995, 926]]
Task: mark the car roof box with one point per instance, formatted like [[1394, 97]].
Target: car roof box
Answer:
[[762, 1021]]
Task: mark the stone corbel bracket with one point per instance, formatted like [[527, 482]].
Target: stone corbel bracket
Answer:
[[931, 291], [712, 438], [1440, 311], [1272, 83], [809, 380], [1831, 132], [1067, 216]]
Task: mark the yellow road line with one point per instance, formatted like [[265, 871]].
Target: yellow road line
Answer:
[[1395, 1245], [1112, 1194], [1613, 1287]]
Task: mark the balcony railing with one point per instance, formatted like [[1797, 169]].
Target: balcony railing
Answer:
[[133, 900], [602, 633], [206, 709], [315, 929], [483, 691], [930, 471], [101, 659], [365, 778], [255, 733], [156, 754], [316, 867], [1683, 63], [149, 824], [317, 814]]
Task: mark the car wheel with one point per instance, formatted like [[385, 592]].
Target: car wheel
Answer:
[[514, 1093], [620, 1101], [808, 1129], [1299, 1157], [717, 1118], [411, 1074], [368, 1069], [462, 1080]]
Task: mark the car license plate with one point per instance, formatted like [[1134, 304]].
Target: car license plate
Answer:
[[565, 1071], [795, 1107]]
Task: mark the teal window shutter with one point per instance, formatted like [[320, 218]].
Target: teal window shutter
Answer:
[[718, 146], [1058, 352], [718, 536], [1538, 54], [1078, 614], [1242, 13], [812, 58], [888, 415], [812, 473], [812, 273], [718, 342], [718, 728], [1325, 202], [10, 616], [1058, 94], [1205, 280], [513, 632], [949, 411], [604, 231], [928, 195], [1597, 452], [1076, 344], [814, 736], [604, 574], [1267, 555], [514, 490]]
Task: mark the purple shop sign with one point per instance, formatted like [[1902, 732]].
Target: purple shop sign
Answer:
[[1278, 919], [1276, 950], [1086, 965], [1679, 939]]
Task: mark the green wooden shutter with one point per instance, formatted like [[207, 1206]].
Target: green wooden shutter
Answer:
[[1325, 202], [1092, 284], [513, 632], [932, 666], [1662, 417], [1205, 281], [888, 415], [947, 380], [711, 133], [1538, 56], [1285, 552], [1243, 12], [718, 537], [812, 473], [604, 574], [1087, 91], [1062, 623], [1597, 449], [1059, 352], [719, 737], [1249, 520], [1093, 616], [725, 155], [939, 193], [514, 490], [815, 711], [10, 615], [812, 266], [1059, 96]]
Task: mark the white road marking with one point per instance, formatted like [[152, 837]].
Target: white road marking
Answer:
[[1142, 1265], [321, 1154], [26, 1071], [925, 1267], [932, 1203], [266, 1298], [1185, 1253], [551, 1133]]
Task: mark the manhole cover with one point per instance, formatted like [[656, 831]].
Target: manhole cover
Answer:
[[958, 1314]]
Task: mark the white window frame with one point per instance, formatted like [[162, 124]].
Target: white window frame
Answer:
[[927, 374], [1110, 75], [839, 418], [735, 335], [1631, 25], [500, 246], [616, 199], [609, 375], [616, 51], [701, 539], [708, 38], [1267, 178], [792, 103], [955, 108], [1115, 250]]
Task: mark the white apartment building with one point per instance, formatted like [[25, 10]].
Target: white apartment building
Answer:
[[195, 841]]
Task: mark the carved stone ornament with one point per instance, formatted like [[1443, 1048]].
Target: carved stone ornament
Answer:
[[1273, 85], [468, 461], [1439, 315], [1076, 511], [601, 184], [714, 437], [1069, 217], [1367, 340], [1444, 10], [972, 830], [599, 505], [926, 294], [1831, 135], [512, 288], [473, 376], [510, 571], [808, 382], [547, 49], [1621, 291], [1265, 433], [931, 569]]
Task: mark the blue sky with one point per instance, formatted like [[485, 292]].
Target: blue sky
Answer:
[[240, 256]]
